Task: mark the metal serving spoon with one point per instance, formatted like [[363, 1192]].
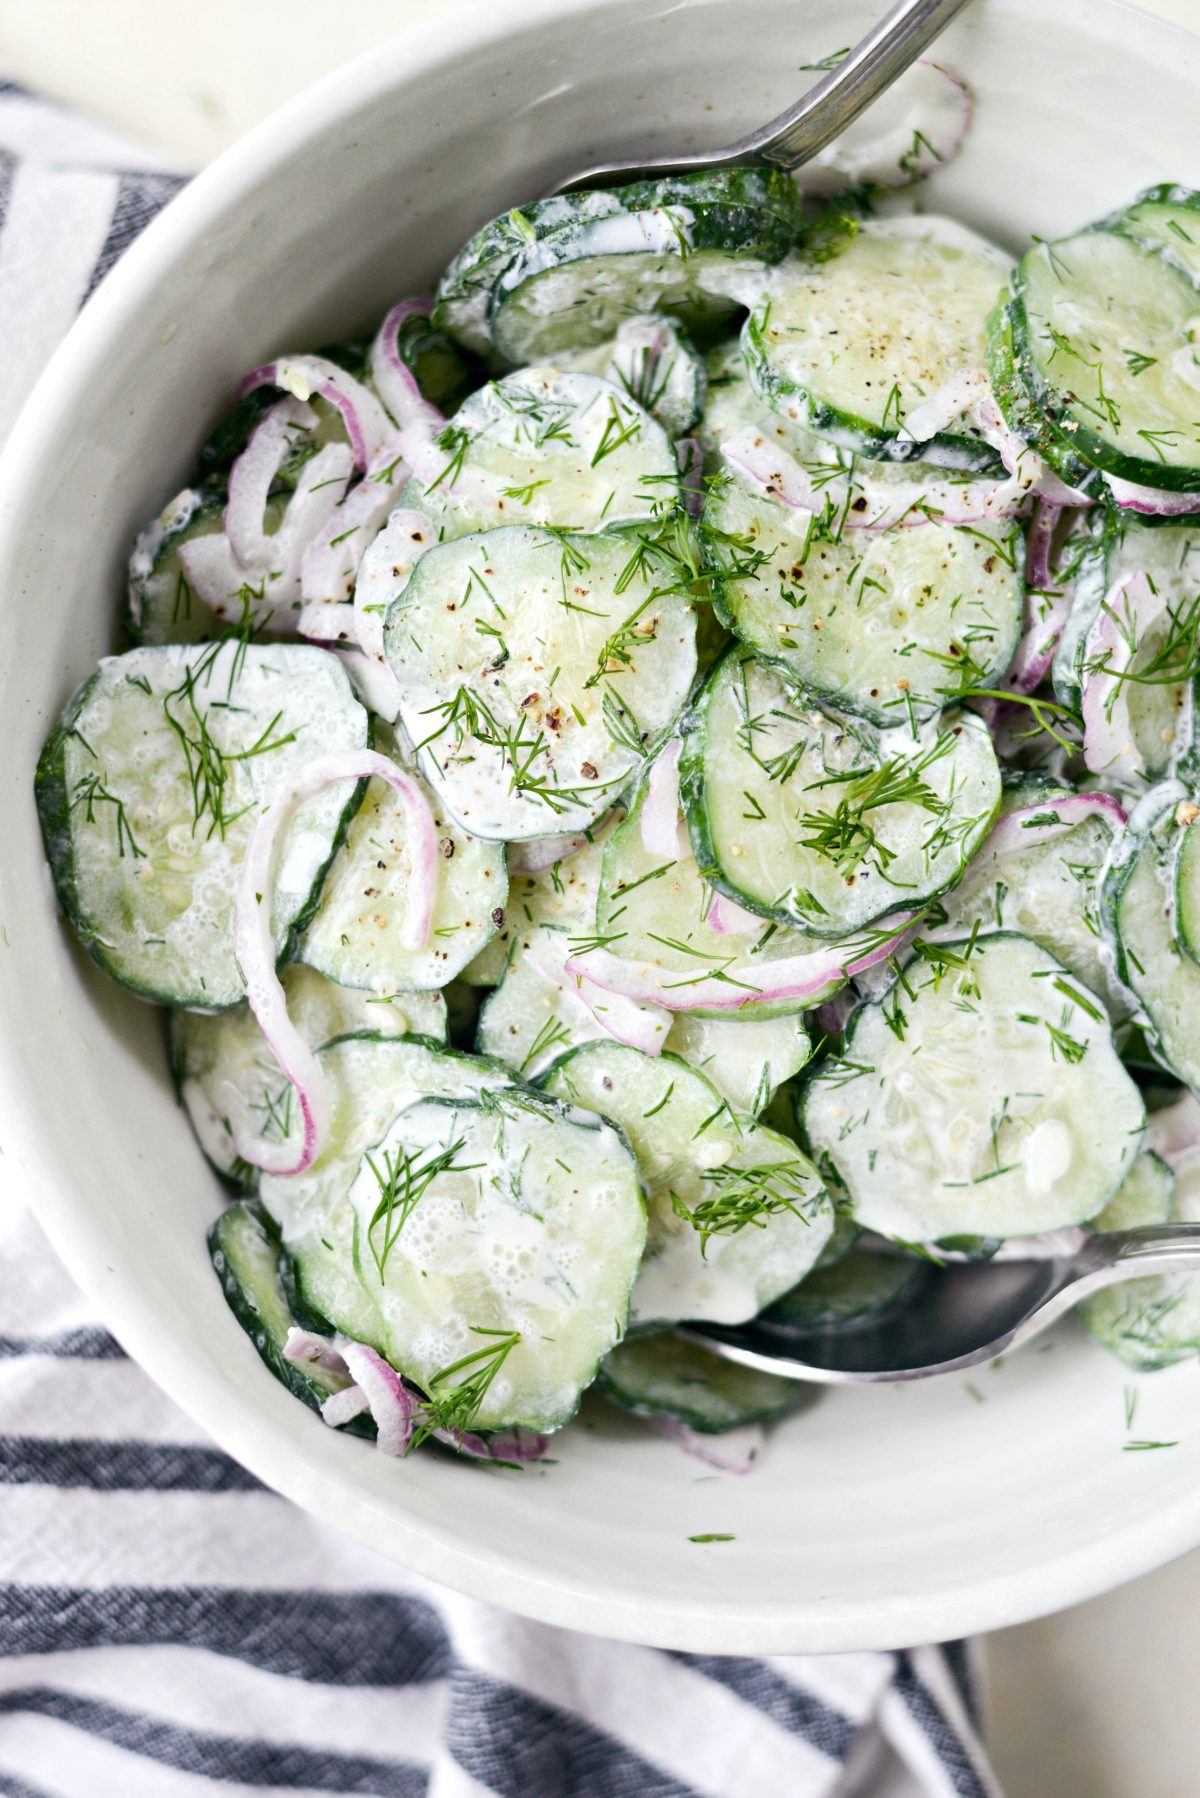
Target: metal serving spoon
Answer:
[[829, 106], [962, 1314]]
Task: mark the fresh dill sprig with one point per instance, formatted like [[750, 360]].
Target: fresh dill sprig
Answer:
[[403, 1181], [743, 1196], [455, 1409]]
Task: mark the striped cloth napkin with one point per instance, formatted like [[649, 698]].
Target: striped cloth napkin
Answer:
[[170, 1628]]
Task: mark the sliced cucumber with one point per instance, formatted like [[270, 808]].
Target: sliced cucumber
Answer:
[[461, 304], [1153, 1323], [499, 1240], [986, 1100], [737, 1213], [678, 246], [1145, 1196], [850, 344], [161, 607], [1139, 914], [150, 786], [536, 1012], [370, 1078], [245, 1256], [1165, 219], [1187, 887], [651, 359], [548, 447], [1098, 324], [535, 669], [1048, 891], [1020, 410], [659, 909], [226, 1075], [562, 895], [354, 936], [747, 1058], [858, 1288], [805, 816], [881, 622], [663, 1376]]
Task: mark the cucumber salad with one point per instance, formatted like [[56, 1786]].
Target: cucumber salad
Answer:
[[665, 787]]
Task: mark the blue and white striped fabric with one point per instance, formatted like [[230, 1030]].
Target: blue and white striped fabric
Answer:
[[171, 1629]]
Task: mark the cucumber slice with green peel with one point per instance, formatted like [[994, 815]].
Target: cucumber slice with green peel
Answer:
[[1038, 874], [1139, 914], [848, 345], [1021, 412], [737, 1213], [1145, 1196], [536, 669], [985, 1099], [151, 784], [561, 895], [160, 605], [1187, 889], [820, 821], [747, 1058], [1153, 1323], [682, 245], [1165, 219], [1145, 648], [355, 936], [664, 1376], [370, 1078], [465, 289], [499, 1239], [546, 446], [1099, 323], [224, 1071], [650, 359], [536, 1012], [857, 1289], [659, 909], [885, 623], [246, 1258]]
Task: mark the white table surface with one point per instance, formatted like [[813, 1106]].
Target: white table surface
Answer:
[[1097, 1702]]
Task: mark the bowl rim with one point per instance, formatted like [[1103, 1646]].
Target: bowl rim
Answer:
[[279, 1460]]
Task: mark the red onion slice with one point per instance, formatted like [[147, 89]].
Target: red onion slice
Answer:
[[1156, 502], [394, 379], [306, 1347], [659, 818], [1127, 612], [393, 1405], [1021, 829], [629, 1021], [809, 978], [909, 133], [330, 561], [251, 477], [509, 1446], [255, 944], [727, 918], [1047, 604], [342, 1407], [374, 683], [368, 428], [734, 1451]]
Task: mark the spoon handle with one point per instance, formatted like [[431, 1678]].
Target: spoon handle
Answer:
[[867, 71], [1154, 1249]]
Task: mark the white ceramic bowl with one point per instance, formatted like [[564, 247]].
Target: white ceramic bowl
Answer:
[[879, 1517]]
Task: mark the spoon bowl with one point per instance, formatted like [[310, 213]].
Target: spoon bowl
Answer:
[[829, 107], [961, 1313]]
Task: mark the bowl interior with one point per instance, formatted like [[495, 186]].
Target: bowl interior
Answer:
[[877, 1517]]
